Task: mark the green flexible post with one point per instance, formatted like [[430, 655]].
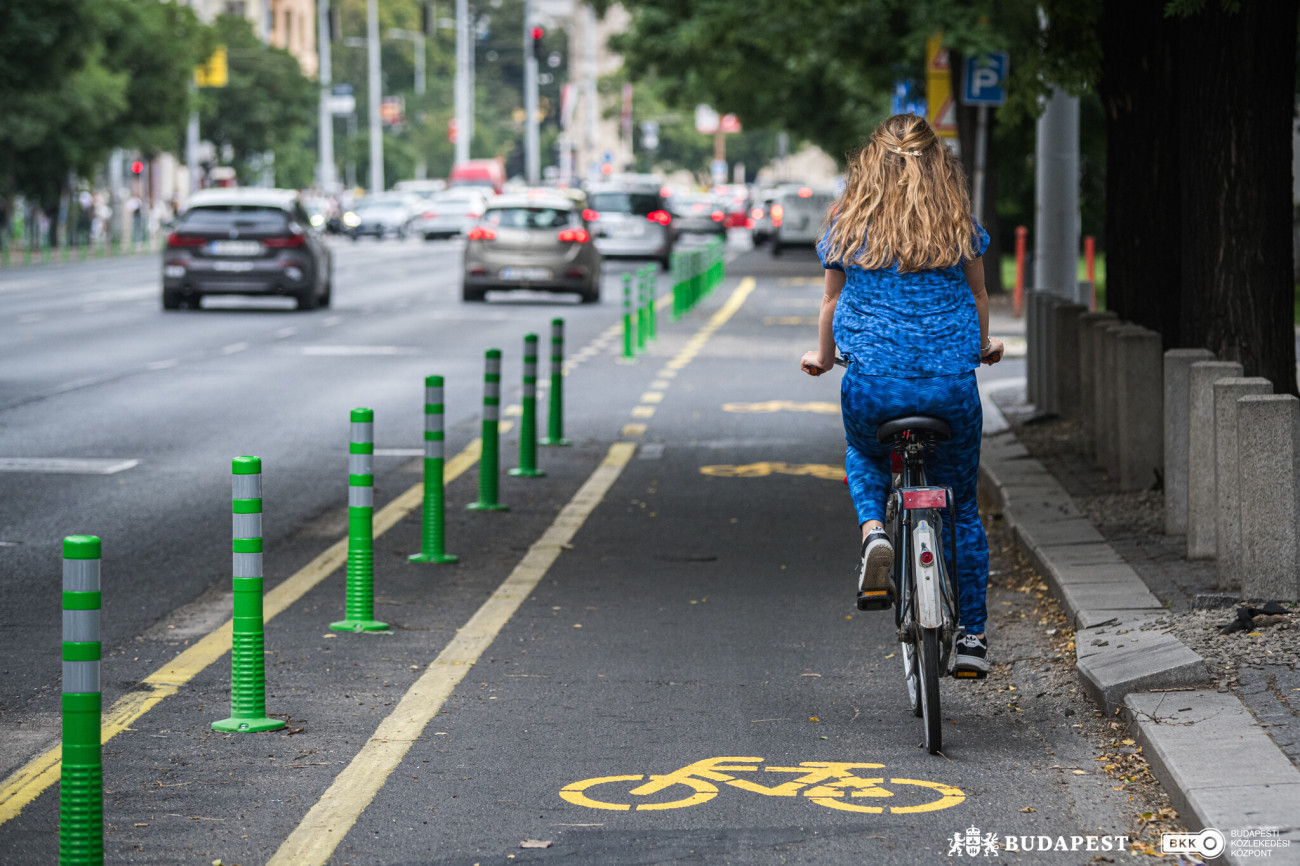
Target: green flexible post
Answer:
[[641, 327], [527, 467], [555, 422], [248, 641], [629, 345], [433, 537], [490, 452], [81, 790], [360, 606]]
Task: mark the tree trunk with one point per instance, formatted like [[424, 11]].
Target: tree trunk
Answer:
[[967, 125], [1236, 99], [1143, 241]]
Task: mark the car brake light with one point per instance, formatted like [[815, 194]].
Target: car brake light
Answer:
[[482, 233], [749, 224], [474, 214], [280, 243], [175, 240], [756, 213], [666, 191], [718, 216], [574, 236], [429, 215], [777, 212], [805, 192], [590, 215], [659, 216]]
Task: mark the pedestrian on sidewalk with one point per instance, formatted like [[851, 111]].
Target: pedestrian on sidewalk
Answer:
[[906, 306]]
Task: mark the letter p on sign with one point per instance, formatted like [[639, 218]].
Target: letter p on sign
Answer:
[[984, 74]]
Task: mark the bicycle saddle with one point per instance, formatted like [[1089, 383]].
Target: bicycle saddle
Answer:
[[935, 426]]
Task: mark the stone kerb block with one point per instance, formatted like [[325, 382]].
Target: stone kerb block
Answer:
[[1065, 358], [1227, 474], [1045, 366], [1139, 409], [1202, 509], [1107, 451], [1034, 339], [1088, 372], [1177, 412], [1268, 441]]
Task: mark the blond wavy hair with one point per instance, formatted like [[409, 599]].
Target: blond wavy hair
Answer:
[[905, 203]]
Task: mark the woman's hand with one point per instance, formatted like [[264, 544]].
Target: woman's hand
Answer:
[[814, 364], [994, 353]]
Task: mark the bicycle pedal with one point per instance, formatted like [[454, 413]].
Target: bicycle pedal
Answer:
[[967, 674], [876, 599]]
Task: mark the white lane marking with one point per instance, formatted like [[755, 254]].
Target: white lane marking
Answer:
[[67, 466], [30, 318], [93, 308], [331, 321], [354, 351], [233, 348], [162, 365], [286, 332]]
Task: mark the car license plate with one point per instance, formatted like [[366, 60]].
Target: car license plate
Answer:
[[525, 274], [625, 230], [233, 267], [235, 248]]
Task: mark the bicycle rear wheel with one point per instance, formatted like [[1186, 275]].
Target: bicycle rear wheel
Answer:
[[911, 670], [928, 668]]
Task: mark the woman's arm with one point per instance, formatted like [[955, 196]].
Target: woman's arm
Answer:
[[821, 359], [990, 349]]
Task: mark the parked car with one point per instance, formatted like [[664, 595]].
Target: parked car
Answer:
[[448, 214], [734, 200], [760, 216], [381, 215], [532, 242], [631, 222], [246, 242], [698, 214], [797, 217]]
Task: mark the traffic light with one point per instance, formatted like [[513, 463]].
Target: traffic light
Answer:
[[536, 41], [137, 167], [426, 19]]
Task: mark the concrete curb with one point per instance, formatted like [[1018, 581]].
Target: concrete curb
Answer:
[[1220, 769]]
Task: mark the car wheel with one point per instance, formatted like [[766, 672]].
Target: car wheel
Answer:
[[591, 294], [472, 293], [776, 248], [171, 299], [306, 298], [328, 295]]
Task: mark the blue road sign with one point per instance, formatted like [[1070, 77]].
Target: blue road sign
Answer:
[[906, 99], [982, 83]]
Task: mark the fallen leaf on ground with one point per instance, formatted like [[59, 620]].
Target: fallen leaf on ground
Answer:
[[1028, 809], [535, 843]]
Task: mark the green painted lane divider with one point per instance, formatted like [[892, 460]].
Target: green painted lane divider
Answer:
[[248, 638], [81, 792], [555, 421], [489, 468], [527, 467], [433, 534], [360, 607]]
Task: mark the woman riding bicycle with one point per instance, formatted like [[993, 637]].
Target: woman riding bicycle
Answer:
[[905, 303]]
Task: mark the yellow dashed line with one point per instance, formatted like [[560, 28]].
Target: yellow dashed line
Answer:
[[652, 397], [630, 430], [643, 412]]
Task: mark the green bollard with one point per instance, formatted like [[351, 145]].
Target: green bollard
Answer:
[[528, 421], [629, 338], [490, 453], [81, 789], [555, 422], [360, 606], [433, 537], [652, 280], [248, 640], [641, 327], [674, 275]]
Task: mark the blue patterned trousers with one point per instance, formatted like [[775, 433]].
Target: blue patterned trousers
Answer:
[[868, 401]]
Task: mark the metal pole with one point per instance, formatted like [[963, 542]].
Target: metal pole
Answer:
[[981, 155], [192, 145], [463, 98], [81, 790], [593, 99], [376, 96], [325, 174], [1056, 221], [419, 64], [532, 158]]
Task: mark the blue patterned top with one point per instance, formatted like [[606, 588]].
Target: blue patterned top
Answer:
[[907, 326]]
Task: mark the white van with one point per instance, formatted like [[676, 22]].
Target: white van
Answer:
[[797, 217]]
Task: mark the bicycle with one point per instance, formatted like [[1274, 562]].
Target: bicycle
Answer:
[[925, 612]]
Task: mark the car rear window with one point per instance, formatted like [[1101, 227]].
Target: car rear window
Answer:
[[635, 203], [528, 217], [242, 217]]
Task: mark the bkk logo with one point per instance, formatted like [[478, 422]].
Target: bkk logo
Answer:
[[1208, 843], [972, 843]]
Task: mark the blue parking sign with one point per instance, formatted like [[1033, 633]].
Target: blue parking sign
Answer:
[[982, 83]]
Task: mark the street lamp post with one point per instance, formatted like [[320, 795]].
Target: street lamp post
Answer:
[[376, 130], [325, 174], [464, 61]]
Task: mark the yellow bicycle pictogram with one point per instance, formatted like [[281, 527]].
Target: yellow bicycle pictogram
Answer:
[[832, 784]]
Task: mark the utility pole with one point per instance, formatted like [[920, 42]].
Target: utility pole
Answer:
[[592, 99], [325, 175], [376, 96], [532, 170], [464, 59], [1056, 217]]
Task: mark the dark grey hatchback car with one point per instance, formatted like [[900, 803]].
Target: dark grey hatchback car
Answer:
[[246, 242]]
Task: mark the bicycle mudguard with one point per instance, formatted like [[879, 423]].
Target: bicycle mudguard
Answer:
[[925, 564]]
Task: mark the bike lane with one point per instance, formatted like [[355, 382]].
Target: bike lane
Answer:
[[689, 680]]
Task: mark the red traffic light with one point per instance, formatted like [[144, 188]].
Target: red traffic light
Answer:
[[538, 33], [137, 167], [535, 43]]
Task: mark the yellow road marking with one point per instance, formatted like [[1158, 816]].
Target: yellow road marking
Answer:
[[29, 781], [643, 411], [328, 822], [783, 406], [633, 430], [652, 397], [760, 470]]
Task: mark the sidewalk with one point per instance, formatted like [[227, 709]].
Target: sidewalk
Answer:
[[1218, 716]]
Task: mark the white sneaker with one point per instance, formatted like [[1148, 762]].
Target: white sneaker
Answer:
[[875, 583]]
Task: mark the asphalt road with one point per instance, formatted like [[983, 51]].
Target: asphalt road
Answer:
[[675, 591]]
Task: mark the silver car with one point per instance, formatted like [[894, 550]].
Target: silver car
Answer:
[[448, 214], [797, 217], [534, 242], [632, 222], [698, 214], [380, 216]]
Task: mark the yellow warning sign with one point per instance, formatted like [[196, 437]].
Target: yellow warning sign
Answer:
[[832, 784], [941, 107], [215, 71]]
